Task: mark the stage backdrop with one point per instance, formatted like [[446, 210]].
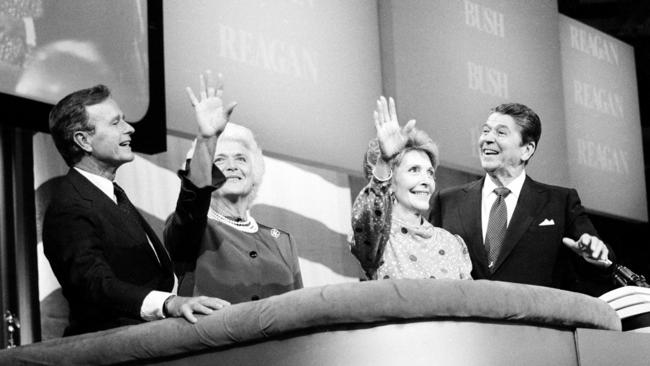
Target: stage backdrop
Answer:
[[306, 74], [449, 62], [602, 120]]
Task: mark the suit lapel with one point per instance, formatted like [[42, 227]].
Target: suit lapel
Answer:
[[163, 256], [469, 211], [102, 203], [531, 200], [160, 255]]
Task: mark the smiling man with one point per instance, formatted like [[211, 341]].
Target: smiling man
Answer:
[[112, 268], [517, 229]]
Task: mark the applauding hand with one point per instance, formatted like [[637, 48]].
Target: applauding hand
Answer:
[[210, 113]]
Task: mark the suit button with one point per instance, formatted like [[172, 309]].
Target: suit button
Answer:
[[253, 254], [255, 297]]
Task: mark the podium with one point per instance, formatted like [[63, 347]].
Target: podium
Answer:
[[388, 322]]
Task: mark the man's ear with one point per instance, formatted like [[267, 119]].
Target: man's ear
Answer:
[[528, 149], [83, 139]]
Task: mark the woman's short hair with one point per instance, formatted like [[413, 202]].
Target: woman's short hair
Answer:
[[417, 140], [244, 136], [69, 115]]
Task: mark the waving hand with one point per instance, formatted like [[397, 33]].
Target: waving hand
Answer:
[[210, 113], [392, 138]]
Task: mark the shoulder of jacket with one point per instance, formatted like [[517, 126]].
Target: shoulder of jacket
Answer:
[[459, 188], [443, 233], [550, 187], [66, 198]]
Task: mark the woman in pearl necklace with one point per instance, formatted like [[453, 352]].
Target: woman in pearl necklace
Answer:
[[222, 250]]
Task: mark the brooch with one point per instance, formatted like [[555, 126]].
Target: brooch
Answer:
[[275, 233]]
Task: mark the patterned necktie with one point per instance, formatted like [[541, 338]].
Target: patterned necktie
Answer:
[[497, 225], [127, 208]]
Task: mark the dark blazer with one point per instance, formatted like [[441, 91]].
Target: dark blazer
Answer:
[[102, 260], [532, 253]]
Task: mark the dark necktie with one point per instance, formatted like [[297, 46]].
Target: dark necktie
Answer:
[[129, 210], [497, 225]]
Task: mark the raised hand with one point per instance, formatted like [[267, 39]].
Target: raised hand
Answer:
[[210, 113], [392, 139]]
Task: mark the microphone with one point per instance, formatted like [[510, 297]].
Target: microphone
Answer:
[[624, 276]]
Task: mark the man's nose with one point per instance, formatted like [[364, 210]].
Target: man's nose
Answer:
[[486, 137], [128, 128]]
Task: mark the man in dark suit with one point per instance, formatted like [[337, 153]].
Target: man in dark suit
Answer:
[[112, 268], [517, 229]]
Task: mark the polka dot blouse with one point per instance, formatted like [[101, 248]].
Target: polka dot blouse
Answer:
[[388, 247]]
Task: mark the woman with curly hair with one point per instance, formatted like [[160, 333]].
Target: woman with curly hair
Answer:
[[392, 238]]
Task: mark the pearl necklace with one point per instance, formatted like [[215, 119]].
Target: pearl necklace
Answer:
[[248, 226]]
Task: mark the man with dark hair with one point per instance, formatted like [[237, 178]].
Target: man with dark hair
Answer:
[[517, 229], [112, 267]]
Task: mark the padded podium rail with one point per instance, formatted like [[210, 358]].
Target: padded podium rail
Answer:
[[408, 322]]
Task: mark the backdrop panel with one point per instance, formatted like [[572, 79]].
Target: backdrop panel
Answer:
[[449, 62], [306, 74], [603, 123]]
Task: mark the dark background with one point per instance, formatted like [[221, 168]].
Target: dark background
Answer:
[[629, 21]]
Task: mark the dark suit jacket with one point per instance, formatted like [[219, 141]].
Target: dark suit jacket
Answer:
[[103, 261], [531, 254]]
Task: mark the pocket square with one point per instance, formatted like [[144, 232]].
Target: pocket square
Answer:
[[547, 222]]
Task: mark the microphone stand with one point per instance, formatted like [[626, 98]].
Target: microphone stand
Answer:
[[623, 276]]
